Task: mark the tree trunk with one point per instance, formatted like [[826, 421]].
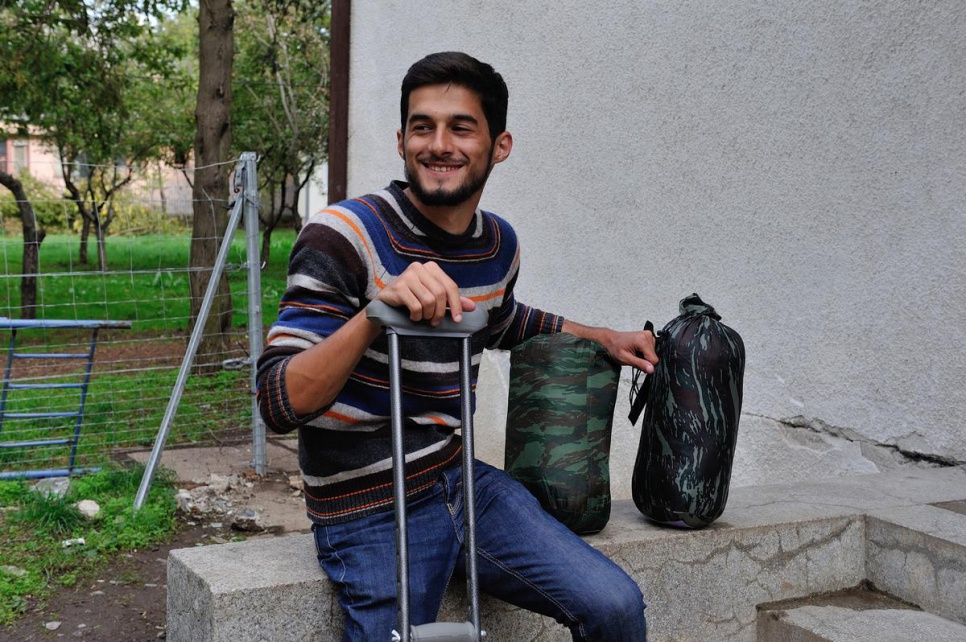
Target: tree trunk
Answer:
[[297, 218], [266, 247], [100, 233], [85, 235], [161, 195], [210, 190], [31, 247]]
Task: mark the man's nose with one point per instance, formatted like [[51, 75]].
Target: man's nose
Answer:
[[441, 142]]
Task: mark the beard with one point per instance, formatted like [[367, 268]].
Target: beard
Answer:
[[443, 197]]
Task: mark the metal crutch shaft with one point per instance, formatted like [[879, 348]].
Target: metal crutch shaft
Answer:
[[398, 323]]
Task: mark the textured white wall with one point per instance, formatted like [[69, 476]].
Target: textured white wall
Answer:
[[800, 165]]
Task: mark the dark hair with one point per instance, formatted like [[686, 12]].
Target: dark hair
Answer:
[[454, 67]]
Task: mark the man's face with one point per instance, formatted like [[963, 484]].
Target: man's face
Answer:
[[446, 146]]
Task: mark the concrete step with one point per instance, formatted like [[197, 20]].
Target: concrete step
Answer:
[[830, 623], [774, 543]]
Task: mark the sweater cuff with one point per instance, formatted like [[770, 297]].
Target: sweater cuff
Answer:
[[276, 408]]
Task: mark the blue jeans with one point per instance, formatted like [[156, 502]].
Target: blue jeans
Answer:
[[526, 558]]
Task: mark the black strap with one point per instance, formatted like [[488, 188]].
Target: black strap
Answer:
[[640, 387]]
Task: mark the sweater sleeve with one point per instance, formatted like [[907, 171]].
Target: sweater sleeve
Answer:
[[326, 286], [516, 322]]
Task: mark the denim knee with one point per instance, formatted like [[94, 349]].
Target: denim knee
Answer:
[[615, 614]]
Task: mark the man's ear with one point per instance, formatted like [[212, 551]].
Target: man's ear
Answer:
[[502, 146], [399, 143]]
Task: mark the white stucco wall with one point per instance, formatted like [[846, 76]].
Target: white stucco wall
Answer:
[[799, 165]]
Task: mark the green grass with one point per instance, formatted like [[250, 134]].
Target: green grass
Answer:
[[146, 281], [33, 528], [124, 411]]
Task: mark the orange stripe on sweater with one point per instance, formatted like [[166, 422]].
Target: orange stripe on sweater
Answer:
[[487, 297], [362, 237], [335, 415], [378, 487]]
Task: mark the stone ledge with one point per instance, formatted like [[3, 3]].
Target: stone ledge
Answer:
[[773, 543], [837, 624]]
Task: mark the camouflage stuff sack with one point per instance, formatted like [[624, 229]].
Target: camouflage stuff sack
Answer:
[[691, 403], [561, 408]]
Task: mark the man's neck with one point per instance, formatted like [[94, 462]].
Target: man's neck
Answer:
[[454, 219]]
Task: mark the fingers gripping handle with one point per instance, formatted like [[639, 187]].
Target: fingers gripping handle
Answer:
[[398, 320]]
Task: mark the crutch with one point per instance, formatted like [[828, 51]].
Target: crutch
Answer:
[[397, 323]]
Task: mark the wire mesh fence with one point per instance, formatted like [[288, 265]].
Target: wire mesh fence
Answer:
[[144, 283]]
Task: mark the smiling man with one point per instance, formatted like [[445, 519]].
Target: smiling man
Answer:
[[424, 245]]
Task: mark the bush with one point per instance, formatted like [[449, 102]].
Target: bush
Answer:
[[52, 212], [133, 218]]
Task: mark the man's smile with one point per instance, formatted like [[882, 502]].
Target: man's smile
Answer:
[[441, 167]]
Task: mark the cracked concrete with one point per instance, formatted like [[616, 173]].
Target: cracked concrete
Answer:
[[917, 554], [808, 449]]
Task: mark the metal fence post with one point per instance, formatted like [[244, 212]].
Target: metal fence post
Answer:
[[216, 271], [250, 194]]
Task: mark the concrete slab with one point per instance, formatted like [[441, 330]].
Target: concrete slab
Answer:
[[280, 508], [773, 543], [918, 553], [838, 624], [701, 585], [759, 505], [197, 464], [956, 507]]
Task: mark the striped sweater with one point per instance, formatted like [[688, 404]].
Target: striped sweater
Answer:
[[341, 260]]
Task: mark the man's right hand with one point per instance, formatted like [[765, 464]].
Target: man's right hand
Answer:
[[427, 292]]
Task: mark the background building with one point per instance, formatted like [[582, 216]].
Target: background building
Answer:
[[800, 165]]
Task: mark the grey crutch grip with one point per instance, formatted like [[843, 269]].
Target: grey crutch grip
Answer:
[[399, 321]]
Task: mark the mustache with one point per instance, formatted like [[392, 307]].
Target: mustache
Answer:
[[431, 158]]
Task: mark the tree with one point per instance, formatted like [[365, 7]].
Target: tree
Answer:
[[165, 109], [67, 72], [32, 238], [281, 100], [210, 189]]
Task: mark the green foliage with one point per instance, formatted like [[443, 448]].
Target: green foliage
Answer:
[[31, 536], [88, 78], [280, 94], [133, 217], [69, 69], [51, 211], [11, 491]]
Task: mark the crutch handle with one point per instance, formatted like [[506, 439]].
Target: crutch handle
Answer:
[[398, 319]]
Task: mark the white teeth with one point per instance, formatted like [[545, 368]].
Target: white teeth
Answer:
[[442, 168]]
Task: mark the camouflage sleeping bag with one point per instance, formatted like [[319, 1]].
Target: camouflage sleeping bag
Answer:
[[691, 404], [561, 407]]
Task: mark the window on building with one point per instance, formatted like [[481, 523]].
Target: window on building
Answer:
[[19, 156]]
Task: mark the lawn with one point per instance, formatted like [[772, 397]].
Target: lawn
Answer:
[[146, 281], [133, 378], [47, 543], [134, 370]]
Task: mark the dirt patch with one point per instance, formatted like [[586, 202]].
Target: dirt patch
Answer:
[[127, 598], [116, 350], [110, 354]]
